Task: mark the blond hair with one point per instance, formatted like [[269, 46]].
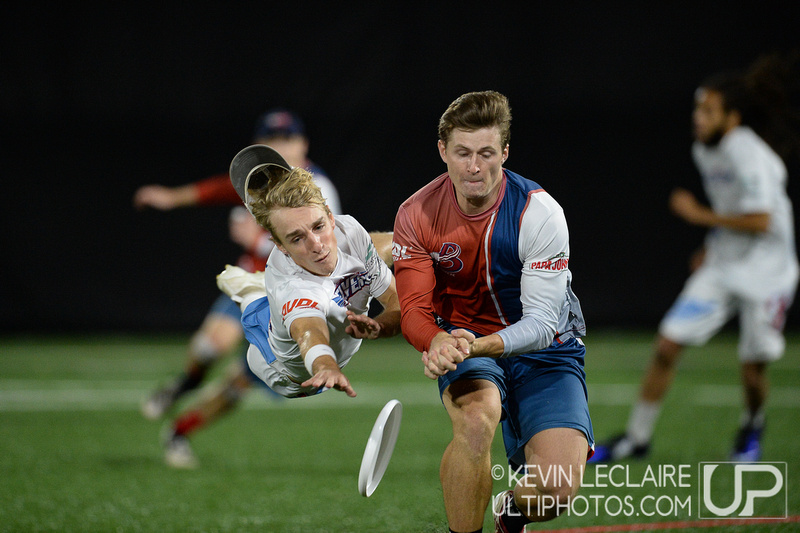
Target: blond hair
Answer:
[[473, 111], [296, 188]]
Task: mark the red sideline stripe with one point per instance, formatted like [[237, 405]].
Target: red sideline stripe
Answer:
[[684, 524]]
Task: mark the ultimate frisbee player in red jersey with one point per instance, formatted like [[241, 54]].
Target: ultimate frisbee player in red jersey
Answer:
[[481, 259]]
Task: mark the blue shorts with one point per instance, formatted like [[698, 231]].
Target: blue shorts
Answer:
[[223, 305], [538, 391]]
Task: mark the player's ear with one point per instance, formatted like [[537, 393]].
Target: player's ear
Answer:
[[442, 150]]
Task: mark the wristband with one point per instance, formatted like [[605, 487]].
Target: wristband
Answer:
[[317, 350]]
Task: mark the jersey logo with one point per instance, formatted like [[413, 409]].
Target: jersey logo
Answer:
[[352, 284], [399, 252], [557, 263], [448, 258], [298, 303]]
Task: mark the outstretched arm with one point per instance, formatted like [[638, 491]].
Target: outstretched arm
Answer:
[[686, 207], [165, 198], [311, 335], [214, 190]]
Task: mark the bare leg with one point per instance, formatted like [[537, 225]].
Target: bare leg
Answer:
[[756, 386], [465, 472], [659, 374], [556, 459]]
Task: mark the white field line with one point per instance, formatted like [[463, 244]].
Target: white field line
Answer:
[[78, 395]]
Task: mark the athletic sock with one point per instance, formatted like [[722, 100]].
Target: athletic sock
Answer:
[[642, 421], [188, 422], [513, 518], [752, 420], [189, 380]]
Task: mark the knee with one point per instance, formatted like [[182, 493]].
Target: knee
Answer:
[[474, 427], [753, 374], [542, 502], [667, 353]]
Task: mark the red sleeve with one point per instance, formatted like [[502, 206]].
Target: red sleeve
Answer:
[[413, 272], [217, 190]]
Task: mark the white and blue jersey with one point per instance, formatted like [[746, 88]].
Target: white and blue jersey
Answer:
[[293, 292]]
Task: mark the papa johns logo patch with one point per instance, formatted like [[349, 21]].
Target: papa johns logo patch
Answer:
[[557, 263]]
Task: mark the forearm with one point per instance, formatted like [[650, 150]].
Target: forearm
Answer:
[[311, 336], [755, 223], [488, 346], [419, 328], [185, 195], [389, 321], [706, 217], [530, 334]]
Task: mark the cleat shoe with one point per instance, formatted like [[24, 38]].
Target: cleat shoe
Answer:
[[178, 453], [618, 448], [237, 282], [158, 403], [747, 448], [499, 508]]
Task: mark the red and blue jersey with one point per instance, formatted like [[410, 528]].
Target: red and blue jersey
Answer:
[[485, 272]]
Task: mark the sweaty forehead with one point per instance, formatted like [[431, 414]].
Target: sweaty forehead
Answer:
[[479, 139]]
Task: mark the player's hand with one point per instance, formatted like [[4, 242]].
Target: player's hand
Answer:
[[464, 334], [362, 326], [684, 205], [155, 196], [444, 354], [331, 378]]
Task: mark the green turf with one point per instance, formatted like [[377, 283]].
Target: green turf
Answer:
[[75, 454]]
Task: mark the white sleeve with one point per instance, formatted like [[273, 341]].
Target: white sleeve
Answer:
[[298, 301], [361, 243], [752, 172], [544, 249]]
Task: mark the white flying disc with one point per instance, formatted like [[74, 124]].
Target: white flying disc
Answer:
[[379, 447]]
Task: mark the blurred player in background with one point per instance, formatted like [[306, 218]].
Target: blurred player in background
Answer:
[[483, 252], [318, 284], [743, 126], [221, 330]]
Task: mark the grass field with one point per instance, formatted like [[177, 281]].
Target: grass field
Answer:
[[75, 454]]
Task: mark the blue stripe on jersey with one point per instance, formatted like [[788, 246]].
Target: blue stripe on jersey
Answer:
[[505, 264]]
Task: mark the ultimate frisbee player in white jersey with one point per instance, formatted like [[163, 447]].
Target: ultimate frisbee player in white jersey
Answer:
[[305, 316], [749, 266]]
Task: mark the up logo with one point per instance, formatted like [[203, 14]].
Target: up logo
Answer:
[[762, 485]]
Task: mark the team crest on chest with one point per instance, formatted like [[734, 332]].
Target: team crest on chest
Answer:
[[448, 258]]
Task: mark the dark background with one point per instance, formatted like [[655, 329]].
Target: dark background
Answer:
[[96, 101]]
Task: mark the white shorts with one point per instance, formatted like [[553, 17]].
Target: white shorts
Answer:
[[276, 379], [707, 303]]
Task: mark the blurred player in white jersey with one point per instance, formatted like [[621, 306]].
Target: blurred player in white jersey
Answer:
[[305, 316], [748, 266]]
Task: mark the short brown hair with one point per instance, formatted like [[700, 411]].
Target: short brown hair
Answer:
[[297, 189], [476, 110]]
